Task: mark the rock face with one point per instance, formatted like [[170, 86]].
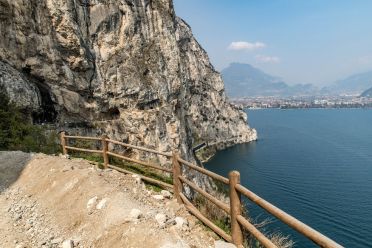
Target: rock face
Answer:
[[129, 68], [24, 93]]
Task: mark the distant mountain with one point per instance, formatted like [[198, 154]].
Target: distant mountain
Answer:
[[353, 85], [367, 93], [245, 80]]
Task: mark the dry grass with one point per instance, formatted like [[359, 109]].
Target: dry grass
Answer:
[[222, 220], [281, 241], [207, 208]]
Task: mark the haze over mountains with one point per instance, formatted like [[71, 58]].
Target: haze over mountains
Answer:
[[244, 80], [353, 85], [367, 93]]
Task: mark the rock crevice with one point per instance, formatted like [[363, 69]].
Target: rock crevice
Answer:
[[130, 68]]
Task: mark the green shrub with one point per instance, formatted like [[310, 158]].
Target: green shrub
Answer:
[[86, 144], [18, 133]]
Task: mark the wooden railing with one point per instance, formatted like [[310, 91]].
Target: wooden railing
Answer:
[[233, 209]]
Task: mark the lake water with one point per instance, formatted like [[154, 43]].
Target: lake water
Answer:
[[315, 164]]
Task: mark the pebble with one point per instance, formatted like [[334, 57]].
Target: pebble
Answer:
[[102, 203], [68, 244], [92, 202], [161, 219], [158, 197], [166, 194], [18, 217], [223, 244], [137, 179], [135, 213], [179, 244], [180, 222], [41, 243], [56, 241], [64, 156]]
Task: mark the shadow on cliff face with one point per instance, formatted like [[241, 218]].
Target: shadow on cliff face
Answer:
[[11, 167]]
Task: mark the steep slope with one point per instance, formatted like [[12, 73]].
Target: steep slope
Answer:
[[130, 69], [352, 85], [243, 80]]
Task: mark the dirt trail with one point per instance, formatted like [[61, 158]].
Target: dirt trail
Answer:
[[49, 201]]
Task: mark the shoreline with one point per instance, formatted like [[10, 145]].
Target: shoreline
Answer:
[[310, 108]]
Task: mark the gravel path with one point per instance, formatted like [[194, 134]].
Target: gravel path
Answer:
[[50, 202]]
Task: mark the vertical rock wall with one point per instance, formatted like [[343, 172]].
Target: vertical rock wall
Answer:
[[129, 68]]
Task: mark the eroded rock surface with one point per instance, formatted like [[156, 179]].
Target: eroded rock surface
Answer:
[[130, 69]]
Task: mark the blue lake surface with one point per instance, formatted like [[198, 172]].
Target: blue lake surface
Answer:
[[315, 164]]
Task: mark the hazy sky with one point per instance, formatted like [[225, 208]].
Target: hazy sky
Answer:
[[301, 41]]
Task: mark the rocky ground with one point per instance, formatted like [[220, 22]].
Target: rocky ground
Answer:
[[50, 201]]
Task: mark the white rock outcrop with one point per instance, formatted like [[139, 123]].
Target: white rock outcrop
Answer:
[[129, 69]]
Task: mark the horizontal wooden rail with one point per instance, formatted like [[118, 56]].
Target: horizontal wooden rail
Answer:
[[82, 149], [140, 162], [204, 219], [255, 232], [235, 189], [81, 137], [299, 226], [204, 171], [139, 148], [219, 203], [144, 178]]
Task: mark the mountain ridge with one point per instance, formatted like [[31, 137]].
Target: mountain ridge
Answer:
[[243, 80], [354, 84]]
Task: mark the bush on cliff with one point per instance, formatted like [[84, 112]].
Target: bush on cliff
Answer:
[[18, 133]]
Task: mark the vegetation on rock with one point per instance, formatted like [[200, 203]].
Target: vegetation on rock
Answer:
[[18, 133]]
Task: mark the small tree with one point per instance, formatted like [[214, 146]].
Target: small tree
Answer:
[[18, 133], [5, 120]]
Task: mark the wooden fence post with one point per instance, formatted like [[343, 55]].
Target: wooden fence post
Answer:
[[104, 151], [177, 184], [63, 142], [235, 209]]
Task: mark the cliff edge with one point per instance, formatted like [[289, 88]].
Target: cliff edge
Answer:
[[129, 69]]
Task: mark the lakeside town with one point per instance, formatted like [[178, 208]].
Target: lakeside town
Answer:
[[294, 102]]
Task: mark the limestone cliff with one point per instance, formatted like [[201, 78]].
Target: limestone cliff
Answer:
[[128, 68]]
